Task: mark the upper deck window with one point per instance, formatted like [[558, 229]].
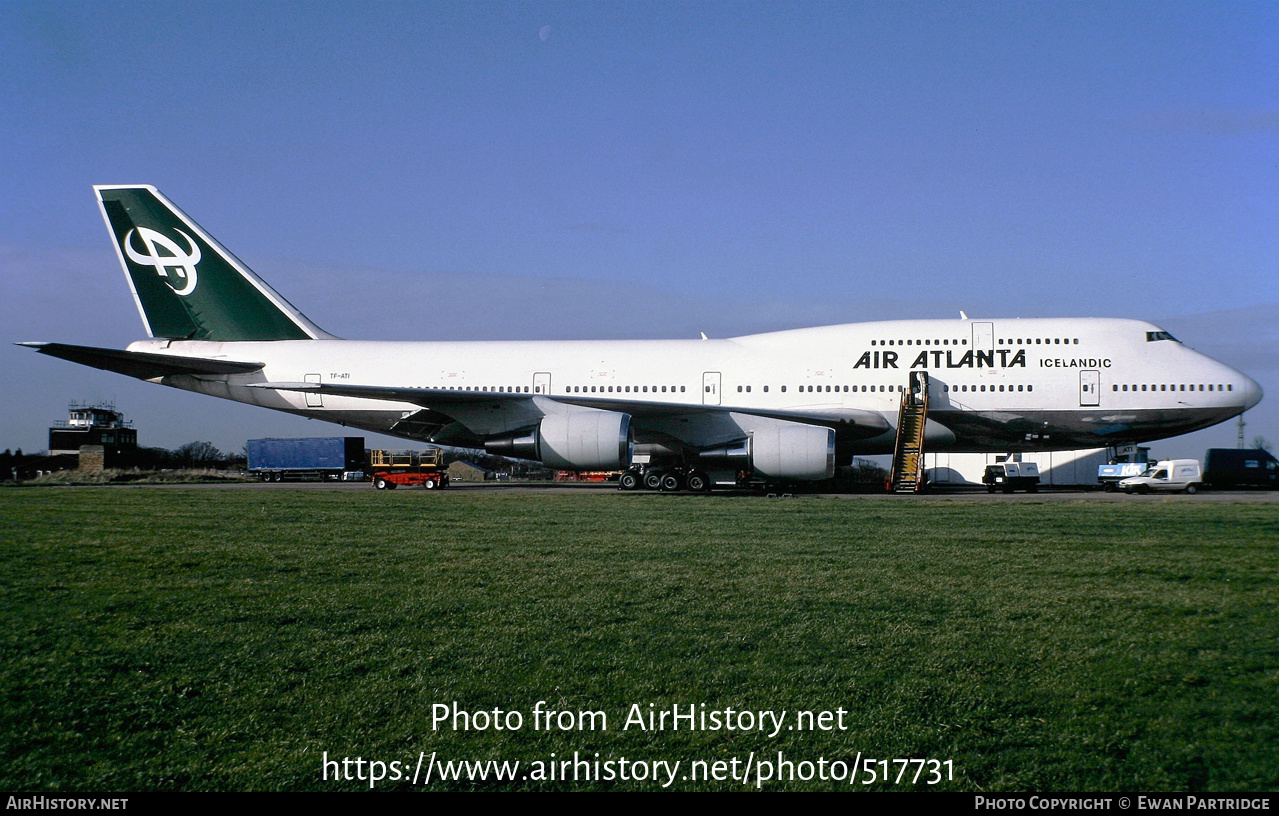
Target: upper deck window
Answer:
[[1160, 335]]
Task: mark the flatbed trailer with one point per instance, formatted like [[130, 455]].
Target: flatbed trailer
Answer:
[[391, 469]]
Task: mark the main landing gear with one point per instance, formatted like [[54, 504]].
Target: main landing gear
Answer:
[[666, 480]]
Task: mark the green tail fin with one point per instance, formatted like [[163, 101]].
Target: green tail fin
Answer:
[[187, 285]]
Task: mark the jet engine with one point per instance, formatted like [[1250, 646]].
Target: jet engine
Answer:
[[792, 451], [582, 440]]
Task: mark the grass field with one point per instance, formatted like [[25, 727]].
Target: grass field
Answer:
[[173, 639]]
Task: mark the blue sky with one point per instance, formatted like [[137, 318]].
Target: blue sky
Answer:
[[579, 170]]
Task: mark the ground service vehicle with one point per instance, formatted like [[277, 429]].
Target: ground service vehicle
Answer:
[[1226, 468], [329, 457], [1010, 476], [391, 469], [1170, 474], [1129, 460]]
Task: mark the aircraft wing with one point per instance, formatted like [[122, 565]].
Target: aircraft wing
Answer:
[[462, 405], [141, 364]]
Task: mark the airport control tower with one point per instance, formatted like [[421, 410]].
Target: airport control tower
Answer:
[[99, 432]]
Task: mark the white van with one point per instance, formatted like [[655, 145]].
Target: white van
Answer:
[[1170, 474]]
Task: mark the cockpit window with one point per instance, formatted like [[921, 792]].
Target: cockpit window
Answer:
[[1160, 335]]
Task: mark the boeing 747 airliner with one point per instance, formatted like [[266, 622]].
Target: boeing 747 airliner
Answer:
[[787, 405]]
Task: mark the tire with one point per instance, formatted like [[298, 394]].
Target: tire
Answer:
[[698, 482], [430, 484], [653, 480], [628, 481], [277, 477], [266, 477], [379, 483], [670, 482], [1192, 488], [1129, 490]]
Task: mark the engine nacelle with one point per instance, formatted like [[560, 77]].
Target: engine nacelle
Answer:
[[801, 452], [582, 440]]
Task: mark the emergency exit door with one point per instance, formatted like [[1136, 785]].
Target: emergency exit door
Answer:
[[313, 398], [710, 388], [1089, 388]]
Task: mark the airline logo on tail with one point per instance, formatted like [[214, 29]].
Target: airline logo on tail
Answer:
[[181, 262], [186, 285]]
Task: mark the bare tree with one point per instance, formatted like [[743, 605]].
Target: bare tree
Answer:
[[198, 455], [1261, 443]]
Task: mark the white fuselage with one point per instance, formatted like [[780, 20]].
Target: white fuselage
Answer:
[[994, 385]]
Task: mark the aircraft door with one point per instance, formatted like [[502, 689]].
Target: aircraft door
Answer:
[[313, 398], [710, 388], [542, 382], [1089, 388], [983, 337]]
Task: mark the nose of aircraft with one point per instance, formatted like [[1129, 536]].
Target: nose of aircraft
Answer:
[[1251, 392]]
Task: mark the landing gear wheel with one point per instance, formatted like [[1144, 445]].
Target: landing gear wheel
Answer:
[[670, 482], [628, 481], [698, 482], [653, 479]]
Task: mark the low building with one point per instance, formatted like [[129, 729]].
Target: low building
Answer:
[[460, 471], [1056, 468], [99, 434]]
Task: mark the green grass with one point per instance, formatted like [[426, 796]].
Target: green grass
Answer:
[[225, 639]]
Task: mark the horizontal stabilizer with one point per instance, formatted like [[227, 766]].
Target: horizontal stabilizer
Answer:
[[141, 364]]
